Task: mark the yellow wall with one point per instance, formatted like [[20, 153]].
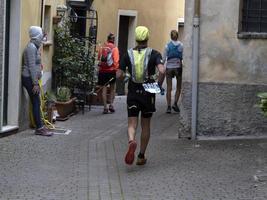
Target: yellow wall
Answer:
[[48, 50], [107, 18], [31, 16], [159, 16]]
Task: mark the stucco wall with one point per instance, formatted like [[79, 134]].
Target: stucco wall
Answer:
[[159, 16], [32, 17], [231, 72], [224, 57]]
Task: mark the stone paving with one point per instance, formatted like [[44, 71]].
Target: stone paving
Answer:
[[88, 164]]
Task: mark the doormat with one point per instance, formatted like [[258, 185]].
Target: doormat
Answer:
[[60, 131]]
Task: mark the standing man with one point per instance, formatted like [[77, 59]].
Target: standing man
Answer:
[[173, 56], [31, 74], [108, 57], [141, 62]]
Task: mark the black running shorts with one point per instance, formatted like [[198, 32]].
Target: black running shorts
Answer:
[[174, 72], [105, 78], [140, 101]]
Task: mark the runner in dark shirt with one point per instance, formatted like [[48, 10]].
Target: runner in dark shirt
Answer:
[[141, 63]]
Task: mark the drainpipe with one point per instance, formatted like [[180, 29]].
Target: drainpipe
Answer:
[[195, 66]]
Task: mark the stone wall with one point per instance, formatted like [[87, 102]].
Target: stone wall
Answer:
[[231, 72], [225, 109]]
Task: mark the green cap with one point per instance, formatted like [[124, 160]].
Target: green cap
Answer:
[[141, 33]]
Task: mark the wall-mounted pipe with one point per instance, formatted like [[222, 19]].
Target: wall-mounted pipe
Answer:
[[195, 66]]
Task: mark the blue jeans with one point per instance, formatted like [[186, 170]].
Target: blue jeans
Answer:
[[35, 99]]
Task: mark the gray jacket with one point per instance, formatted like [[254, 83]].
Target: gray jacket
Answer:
[[32, 62]]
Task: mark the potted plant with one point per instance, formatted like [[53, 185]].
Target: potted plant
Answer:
[[65, 105], [73, 60], [263, 102], [50, 99]]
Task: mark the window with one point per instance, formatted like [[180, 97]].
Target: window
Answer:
[[47, 17], [254, 16]]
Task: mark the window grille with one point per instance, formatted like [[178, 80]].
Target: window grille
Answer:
[[254, 16]]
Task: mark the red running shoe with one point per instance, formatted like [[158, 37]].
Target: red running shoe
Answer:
[[129, 157]]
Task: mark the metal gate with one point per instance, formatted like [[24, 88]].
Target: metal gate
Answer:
[[84, 24]]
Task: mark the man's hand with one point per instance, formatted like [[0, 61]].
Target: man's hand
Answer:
[[120, 74], [36, 89], [161, 77]]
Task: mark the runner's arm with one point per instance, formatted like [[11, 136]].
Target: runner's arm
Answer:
[[165, 52], [161, 69]]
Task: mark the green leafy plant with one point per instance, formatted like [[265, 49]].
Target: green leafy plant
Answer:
[[73, 60], [63, 94], [50, 97], [263, 102]]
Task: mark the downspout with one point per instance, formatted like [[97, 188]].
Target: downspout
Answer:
[[2, 65], [195, 66]]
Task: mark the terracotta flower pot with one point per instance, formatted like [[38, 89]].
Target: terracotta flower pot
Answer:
[[64, 109]]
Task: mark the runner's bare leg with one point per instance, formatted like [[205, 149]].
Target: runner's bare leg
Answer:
[[132, 125], [104, 96], [145, 134]]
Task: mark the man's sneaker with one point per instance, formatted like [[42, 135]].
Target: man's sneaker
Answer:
[[169, 110], [129, 157], [111, 109], [141, 161], [175, 108], [43, 132], [105, 111]]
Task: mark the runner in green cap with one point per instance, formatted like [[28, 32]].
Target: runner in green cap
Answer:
[[141, 62]]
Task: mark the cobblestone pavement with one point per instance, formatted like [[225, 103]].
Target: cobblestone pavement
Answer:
[[88, 163]]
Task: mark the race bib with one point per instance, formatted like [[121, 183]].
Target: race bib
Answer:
[[152, 87]]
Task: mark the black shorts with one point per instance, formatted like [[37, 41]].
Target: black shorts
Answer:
[[140, 101], [106, 78], [174, 72]]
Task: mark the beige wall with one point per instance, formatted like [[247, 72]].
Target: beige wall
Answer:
[[159, 16], [224, 57], [30, 16], [107, 18]]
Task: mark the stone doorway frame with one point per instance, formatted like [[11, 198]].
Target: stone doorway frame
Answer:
[[132, 24], [14, 68]]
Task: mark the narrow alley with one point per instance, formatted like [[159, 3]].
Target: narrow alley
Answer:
[[89, 163]]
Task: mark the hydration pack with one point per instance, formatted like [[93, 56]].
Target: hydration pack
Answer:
[[106, 59], [174, 51]]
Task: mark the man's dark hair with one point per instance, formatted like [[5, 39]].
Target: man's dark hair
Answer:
[[111, 37]]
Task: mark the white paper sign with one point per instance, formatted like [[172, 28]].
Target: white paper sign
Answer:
[[152, 87]]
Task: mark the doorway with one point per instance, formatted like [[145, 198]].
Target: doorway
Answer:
[[11, 67], [78, 28], [126, 24], [6, 64]]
